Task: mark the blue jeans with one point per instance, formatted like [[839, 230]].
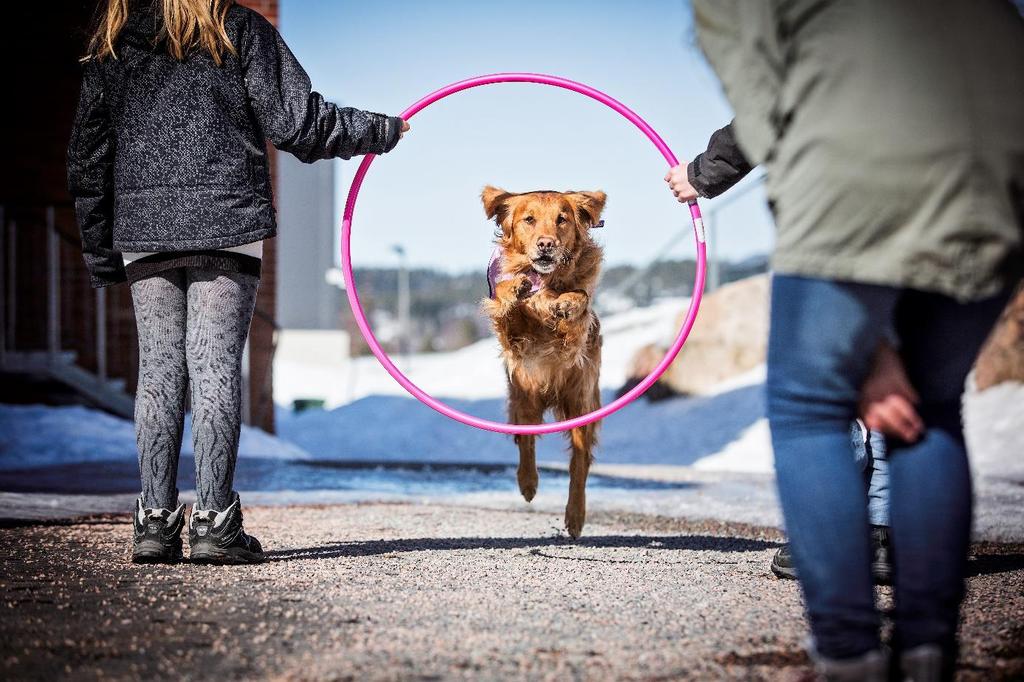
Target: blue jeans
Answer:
[[870, 454], [822, 340]]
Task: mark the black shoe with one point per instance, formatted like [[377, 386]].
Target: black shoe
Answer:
[[218, 538], [881, 565], [782, 563], [157, 534]]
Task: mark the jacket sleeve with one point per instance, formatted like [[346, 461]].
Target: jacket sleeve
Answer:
[[91, 182], [720, 167], [741, 40], [293, 116]]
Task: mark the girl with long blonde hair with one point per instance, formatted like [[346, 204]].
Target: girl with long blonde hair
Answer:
[[169, 170]]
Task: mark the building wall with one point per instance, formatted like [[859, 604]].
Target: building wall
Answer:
[[42, 49], [306, 245]]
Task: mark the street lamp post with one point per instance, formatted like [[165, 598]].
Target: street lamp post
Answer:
[[403, 304]]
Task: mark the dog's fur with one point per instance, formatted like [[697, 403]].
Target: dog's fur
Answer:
[[551, 339]]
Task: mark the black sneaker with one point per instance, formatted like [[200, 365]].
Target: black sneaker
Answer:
[[782, 563], [881, 566], [881, 563], [157, 534], [218, 538]]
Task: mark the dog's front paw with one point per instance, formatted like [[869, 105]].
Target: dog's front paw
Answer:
[[522, 286], [575, 517], [569, 306]]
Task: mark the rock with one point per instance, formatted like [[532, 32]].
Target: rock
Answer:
[[1002, 357], [730, 338]]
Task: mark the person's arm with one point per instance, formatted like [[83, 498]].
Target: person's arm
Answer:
[[711, 172], [720, 167], [90, 180], [293, 116]]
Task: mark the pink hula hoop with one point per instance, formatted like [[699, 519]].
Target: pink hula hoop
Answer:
[[503, 427]]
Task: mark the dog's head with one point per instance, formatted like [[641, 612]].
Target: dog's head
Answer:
[[546, 227]]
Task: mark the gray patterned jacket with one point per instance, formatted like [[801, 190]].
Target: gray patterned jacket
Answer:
[[171, 156]]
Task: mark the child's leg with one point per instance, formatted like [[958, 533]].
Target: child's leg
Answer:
[[878, 481], [220, 306], [870, 454], [160, 314]]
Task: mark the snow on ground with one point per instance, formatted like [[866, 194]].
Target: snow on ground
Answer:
[[753, 377], [751, 452], [473, 372], [379, 421], [37, 436], [394, 428], [994, 427]]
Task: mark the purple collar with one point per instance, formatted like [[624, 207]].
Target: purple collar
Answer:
[[495, 274]]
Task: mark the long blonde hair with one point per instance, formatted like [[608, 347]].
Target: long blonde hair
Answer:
[[186, 24]]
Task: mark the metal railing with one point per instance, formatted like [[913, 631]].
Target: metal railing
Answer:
[[714, 278], [55, 324], [40, 290]]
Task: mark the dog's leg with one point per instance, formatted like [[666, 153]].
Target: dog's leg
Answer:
[[579, 468], [525, 408], [570, 305], [582, 441]]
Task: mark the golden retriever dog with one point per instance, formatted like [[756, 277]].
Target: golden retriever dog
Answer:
[[543, 274]]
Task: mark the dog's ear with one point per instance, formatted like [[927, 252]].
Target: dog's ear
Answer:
[[496, 205], [589, 206], [493, 198]]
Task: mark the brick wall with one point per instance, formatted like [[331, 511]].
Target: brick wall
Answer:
[[261, 334], [268, 8]]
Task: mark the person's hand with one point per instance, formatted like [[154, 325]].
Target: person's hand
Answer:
[[404, 130], [679, 183], [887, 398]]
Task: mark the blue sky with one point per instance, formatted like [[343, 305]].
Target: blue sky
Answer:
[[425, 194]]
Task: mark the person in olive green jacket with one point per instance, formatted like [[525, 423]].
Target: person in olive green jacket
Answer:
[[892, 136]]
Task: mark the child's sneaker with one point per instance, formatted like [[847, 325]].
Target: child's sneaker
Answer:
[[782, 563], [217, 537], [881, 564], [157, 538], [881, 561]]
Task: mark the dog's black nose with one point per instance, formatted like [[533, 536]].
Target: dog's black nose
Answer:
[[546, 244]]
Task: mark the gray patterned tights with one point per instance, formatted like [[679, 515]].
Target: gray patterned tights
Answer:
[[192, 324]]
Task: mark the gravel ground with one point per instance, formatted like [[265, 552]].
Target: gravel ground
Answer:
[[405, 591]]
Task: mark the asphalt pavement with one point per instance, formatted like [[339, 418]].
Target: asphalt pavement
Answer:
[[440, 591]]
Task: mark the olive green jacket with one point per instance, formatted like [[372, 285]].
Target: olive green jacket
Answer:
[[892, 133]]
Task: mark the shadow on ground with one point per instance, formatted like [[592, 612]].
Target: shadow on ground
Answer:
[[651, 542], [990, 564]]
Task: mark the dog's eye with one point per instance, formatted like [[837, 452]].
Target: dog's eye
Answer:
[[529, 220]]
